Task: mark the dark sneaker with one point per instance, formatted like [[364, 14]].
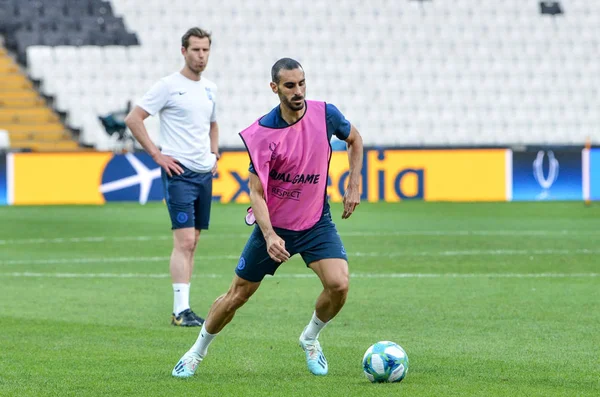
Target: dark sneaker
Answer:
[[186, 318], [197, 317]]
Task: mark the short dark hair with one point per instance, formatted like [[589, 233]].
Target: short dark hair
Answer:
[[196, 32], [283, 63]]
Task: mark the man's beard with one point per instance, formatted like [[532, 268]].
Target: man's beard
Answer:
[[292, 106]]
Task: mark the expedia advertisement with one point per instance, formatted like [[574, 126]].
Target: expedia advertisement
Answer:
[[437, 175], [3, 181], [387, 175], [595, 174], [547, 175]]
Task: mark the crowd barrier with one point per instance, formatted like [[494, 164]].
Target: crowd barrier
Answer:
[[387, 175]]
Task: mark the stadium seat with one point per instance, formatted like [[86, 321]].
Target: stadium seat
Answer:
[[24, 115], [438, 73]]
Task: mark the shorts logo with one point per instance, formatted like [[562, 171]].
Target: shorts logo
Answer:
[[182, 217], [241, 264], [343, 250]]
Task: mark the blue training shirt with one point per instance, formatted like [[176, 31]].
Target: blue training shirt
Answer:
[[336, 125]]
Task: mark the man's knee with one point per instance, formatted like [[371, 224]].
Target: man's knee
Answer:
[[236, 298], [334, 275], [186, 242], [338, 285]]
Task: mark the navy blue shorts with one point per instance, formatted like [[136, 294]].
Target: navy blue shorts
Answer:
[[321, 241], [188, 198]]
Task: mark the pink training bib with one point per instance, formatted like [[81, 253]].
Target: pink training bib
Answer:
[[292, 164]]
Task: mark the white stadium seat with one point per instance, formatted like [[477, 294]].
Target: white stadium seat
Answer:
[[460, 72]]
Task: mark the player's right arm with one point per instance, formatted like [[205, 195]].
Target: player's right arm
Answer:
[[275, 244], [135, 122], [154, 100]]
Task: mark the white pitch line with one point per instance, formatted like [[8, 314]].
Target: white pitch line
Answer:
[[68, 240], [498, 252], [309, 275], [474, 275], [120, 259], [135, 259], [102, 239]]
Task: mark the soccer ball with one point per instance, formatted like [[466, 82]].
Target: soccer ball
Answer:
[[385, 362]]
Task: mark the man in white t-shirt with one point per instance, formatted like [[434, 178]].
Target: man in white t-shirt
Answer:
[[188, 154]]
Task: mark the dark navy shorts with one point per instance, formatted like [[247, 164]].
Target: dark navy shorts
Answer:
[[321, 241], [188, 198]]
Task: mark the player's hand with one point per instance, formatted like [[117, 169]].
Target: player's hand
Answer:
[[169, 164], [276, 248], [351, 200], [215, 168]]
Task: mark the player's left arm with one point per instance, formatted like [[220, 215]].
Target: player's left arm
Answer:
[[214, 129], [214, 142], [355, 158]]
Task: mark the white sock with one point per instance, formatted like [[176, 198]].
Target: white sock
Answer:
[[311, 332], [181, 297], [204, 339]]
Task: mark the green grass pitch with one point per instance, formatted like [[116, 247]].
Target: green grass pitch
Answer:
[[489, 299]]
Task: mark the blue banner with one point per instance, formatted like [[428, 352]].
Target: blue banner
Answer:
[[547, 175], [132, 177], [595, 174], [3, 181]]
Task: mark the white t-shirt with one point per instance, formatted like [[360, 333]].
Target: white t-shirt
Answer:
[[187, 108]]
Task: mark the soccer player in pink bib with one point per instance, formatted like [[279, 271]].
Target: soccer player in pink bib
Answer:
[[290, 150]]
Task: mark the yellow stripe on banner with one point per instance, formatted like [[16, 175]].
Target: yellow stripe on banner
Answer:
[[231, 183], [59, 178], [338, 176], [437, 175]]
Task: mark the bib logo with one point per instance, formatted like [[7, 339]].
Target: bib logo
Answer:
[[285, 194], [296, 179], [272, 148], [132, 177]]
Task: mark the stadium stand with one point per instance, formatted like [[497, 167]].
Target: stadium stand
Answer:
[[60, 22], [24, 116], [407, 73]]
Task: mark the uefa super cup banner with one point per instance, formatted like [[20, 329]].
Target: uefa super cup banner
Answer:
[[594, 174], [3, 181], [547, 175]]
